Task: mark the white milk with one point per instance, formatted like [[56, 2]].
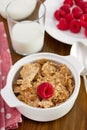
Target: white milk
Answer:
[[27, 37], [20, 9]]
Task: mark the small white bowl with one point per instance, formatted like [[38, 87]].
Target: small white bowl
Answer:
[[41, 114]]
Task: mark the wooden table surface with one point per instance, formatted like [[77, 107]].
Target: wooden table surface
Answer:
[[76, 119]]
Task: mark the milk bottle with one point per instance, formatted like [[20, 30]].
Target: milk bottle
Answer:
[[20, 9], [27, 37]]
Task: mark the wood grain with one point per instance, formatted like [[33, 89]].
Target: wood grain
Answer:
[[76, 119]]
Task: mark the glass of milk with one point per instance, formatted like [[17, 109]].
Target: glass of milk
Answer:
[[26, 23]]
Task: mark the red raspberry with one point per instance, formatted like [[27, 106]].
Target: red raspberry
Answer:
[[86, 32], [63, 24], [77, 12], [66, 8], [83, 20], [45, 90], [58, 14], [70, 2], [84, 7], [69, 17], [85, 10], [78, 2], [82, 4], [75, 26]]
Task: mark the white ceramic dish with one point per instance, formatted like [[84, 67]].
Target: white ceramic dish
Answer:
[[40, 114], [50, 25], [79, 50]]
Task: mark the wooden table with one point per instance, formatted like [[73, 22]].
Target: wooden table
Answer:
[[76, 119]]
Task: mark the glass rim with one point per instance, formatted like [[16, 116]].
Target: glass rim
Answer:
[[20, 20]]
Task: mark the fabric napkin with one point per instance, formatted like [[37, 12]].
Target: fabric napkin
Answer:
[[9, 117]]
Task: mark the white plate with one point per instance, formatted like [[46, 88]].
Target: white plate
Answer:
[[50, 25]]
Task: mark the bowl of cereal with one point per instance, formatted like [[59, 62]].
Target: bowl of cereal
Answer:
[[43, 86]]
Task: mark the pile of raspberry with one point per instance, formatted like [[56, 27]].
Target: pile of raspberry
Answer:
[[72, 15]]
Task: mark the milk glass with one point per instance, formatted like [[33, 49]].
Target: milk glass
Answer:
[[26, 23]]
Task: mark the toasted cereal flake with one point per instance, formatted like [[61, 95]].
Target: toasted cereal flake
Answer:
[[29, 71], [49, 68], [44, 70], [45, 104]]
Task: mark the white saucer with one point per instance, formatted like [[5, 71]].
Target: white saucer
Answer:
[[50, 25]]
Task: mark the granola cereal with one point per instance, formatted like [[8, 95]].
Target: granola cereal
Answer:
[[33, 74]]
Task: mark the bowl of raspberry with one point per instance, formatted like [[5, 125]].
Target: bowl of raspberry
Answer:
[[66, 20], [43, 86]]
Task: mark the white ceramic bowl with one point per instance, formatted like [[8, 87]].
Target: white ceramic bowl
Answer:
[[41, 114]]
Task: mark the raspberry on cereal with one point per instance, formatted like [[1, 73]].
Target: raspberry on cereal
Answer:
[[45, 90]]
